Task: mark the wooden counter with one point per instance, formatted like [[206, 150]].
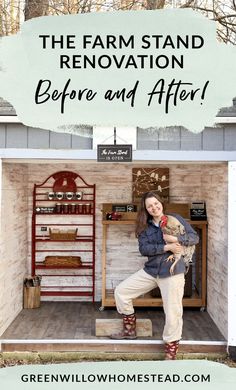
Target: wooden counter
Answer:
[[198, 298]]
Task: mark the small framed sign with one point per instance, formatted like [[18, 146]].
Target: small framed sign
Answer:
[[198, 211], [124, 208], [114, 153], [44, 210]]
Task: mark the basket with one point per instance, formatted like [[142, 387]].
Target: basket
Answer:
[[57, 234], [62, 261]]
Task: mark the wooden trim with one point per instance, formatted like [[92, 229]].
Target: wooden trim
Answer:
[[225, 119], [132, 222], [204, 265], [104, 261], [129, 346], [109, 301], [183, 156], [9, 119], [231, 254], [128, 222]]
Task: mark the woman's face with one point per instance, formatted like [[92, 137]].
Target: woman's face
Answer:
[[154, 207]]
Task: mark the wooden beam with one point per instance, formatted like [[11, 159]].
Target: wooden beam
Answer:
[[128, 347], [107, 327]]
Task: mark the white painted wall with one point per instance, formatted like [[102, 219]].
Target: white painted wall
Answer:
[[13, 242], [232, 254], [214, 191]]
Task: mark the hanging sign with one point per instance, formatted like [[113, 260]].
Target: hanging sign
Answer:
[[114, 153]]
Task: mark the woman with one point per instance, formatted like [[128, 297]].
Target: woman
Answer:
[[156, 272]]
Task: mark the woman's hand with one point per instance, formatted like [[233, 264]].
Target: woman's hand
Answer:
[[169, 238], [173, 247]]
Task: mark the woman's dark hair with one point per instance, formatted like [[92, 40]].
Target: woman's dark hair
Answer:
[[143, 215]]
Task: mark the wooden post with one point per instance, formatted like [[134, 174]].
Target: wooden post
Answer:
[[104, 260], [231, 259], [31, 297]]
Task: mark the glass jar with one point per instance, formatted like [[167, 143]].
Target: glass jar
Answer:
[[88, 208], [81, 208], [65, 208], [58, 208], [72, 208]]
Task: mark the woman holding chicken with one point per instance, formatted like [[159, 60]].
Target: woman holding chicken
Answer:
[[159, 248]]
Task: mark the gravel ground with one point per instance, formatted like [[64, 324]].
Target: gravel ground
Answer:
[[11, 361]]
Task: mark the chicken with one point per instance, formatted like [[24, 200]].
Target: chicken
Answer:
[[171, 225]]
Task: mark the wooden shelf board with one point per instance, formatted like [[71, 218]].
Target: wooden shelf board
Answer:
[[67, 293], [148, 300], [124, 222], [63, 214], [63, 250], [58, 267], [76, 240], [133, 221]]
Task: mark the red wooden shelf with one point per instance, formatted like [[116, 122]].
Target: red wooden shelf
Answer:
[[77, 240], [63, 224], [64, 181], [64, 214], [67, 293], [65, 200], [63, 250], [44, 267]]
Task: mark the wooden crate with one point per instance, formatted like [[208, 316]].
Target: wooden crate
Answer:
[[58, 235], [62, 261]]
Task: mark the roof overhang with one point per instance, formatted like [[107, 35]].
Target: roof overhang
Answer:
[[9, 119], [225, 119], [152, 156], [218, 119]]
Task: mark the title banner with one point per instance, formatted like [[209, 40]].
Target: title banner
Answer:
[[138, 68]]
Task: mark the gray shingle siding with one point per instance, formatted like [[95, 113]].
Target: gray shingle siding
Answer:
[[38, 139], [59, 141], [2, 135], [212, 139], [78, 142], [148, 140], [190, 141], [15, 135], [230, 137], [19, 136]]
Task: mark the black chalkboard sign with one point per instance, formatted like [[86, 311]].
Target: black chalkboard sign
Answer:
[[198, 211], [114, 153]]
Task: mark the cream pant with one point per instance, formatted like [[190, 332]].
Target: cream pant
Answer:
[[172, 290]]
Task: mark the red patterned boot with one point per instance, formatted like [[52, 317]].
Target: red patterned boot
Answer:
[[129, 328], [171, 350]]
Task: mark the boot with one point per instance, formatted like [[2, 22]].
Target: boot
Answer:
[[129, 328], [171, 350]]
